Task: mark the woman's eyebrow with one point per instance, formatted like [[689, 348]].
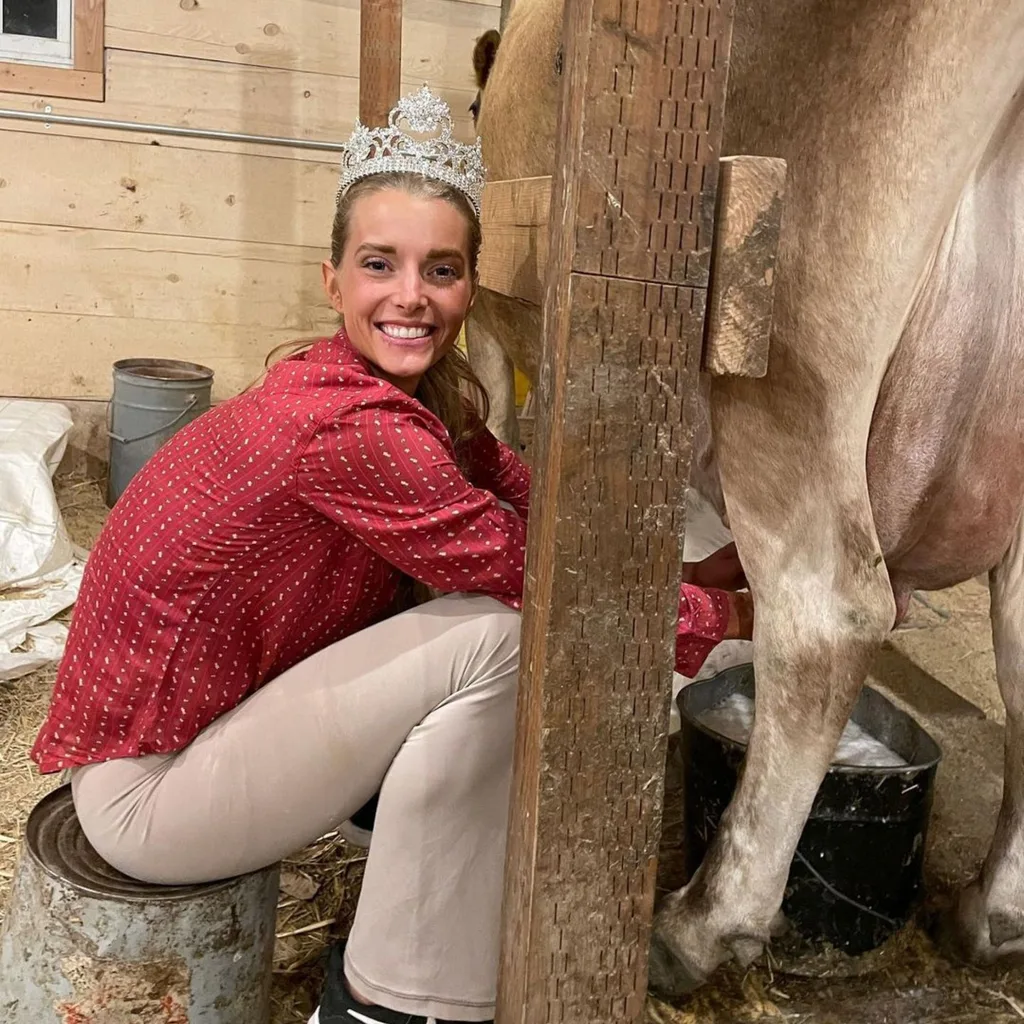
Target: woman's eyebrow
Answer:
[[444, 254], [390, 250]]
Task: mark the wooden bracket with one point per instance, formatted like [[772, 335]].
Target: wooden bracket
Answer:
[[743, 255]]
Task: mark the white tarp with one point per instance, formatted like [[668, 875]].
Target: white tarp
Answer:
[[40, 569]]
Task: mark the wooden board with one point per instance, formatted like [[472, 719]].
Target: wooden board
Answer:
[[515, 216], [55, 355], [165, 190], [622, 335], [90, 18], [36, 80], [746, 245], [154, 277], [315, 36], [147, 88]]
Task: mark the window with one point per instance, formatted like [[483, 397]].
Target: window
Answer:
[[36, 31], [52, 48]]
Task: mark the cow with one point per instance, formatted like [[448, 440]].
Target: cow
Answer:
[[884, 450]]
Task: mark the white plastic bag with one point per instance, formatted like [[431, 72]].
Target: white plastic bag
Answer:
[[40, 569]]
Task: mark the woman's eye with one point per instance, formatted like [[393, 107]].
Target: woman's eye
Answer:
[[377, 265], [446, 273]]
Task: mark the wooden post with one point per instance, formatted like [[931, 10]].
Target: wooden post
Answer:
[[631, 214], [380, 59]]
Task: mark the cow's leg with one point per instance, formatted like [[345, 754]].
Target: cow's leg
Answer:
[[494, 367], [823, 604], [990, 915]]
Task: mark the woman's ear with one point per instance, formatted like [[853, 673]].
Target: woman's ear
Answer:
[[331, 289]]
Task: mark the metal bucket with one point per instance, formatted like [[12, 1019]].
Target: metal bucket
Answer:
[[152, 399], [858, 870], [82, 942]]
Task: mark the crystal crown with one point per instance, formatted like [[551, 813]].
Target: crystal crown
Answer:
[[378, 150]]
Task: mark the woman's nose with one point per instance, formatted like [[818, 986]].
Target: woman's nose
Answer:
[[410, 290]]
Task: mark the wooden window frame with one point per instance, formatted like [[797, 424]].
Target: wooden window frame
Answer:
[[83, 80]]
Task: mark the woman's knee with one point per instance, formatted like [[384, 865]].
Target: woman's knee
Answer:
[[109, 811]]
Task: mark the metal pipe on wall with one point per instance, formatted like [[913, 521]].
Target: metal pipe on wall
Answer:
[[168, 129]]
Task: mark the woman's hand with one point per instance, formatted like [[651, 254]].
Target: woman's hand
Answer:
[[741, 617], [721, 570]]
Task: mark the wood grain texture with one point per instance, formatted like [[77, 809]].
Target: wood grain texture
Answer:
[[313, 35], [36, 80], [152, 88], [59, 355], [89, 24], [164, 190], [516, 216], [742, 294], [380, 59], [157, 277], [632, 215]]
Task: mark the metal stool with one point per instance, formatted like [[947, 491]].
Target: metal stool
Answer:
[[82, 942]]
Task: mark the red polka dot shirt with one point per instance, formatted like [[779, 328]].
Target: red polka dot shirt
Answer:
[[275, 524]]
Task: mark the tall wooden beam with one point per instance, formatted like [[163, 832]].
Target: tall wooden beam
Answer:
[[632, 208], [380, 59]]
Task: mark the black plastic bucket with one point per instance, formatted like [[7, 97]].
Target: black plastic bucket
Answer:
[[856, 877]]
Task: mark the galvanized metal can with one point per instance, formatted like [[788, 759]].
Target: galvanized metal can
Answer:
[[82, 942], [152, 398]]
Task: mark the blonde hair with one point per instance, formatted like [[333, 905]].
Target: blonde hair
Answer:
[[450, 389]]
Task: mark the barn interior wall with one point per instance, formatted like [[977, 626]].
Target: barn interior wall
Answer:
[[116, 244]]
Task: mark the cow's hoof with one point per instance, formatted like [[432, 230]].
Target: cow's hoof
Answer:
[[979, 933], [668, 976]]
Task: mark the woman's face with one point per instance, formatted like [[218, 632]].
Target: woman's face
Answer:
[[403, 284]]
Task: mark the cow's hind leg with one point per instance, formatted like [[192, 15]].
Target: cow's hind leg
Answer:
[[823, 604], [990, 915]]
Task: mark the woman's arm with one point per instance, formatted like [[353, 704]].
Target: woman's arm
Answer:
[[393, 483], [387, 477], [494, 466]]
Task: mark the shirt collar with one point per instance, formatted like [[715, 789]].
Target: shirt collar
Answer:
[[338, 349]]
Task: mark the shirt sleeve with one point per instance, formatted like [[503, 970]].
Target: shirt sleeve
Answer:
[[494, 466], [703, 620], [390, 478]]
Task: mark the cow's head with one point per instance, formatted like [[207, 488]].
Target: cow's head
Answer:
[[484, 52]]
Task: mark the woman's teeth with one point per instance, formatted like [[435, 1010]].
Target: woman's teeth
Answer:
[[394, 331]]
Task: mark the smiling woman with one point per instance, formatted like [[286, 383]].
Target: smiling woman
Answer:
[[240, 632]]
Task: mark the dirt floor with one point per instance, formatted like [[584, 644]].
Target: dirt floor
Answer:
[[939, 666]]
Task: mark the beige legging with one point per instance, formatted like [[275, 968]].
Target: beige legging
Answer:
[[420, 706]]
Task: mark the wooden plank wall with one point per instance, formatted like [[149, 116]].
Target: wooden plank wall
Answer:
[[116, 244]]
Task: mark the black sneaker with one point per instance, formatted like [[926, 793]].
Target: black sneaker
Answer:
[[358, 830], [338, 1007]]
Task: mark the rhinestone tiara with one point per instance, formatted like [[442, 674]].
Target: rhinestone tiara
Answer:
[[378, 150]]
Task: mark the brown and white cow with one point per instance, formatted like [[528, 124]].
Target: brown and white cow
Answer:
[[884, 451]]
